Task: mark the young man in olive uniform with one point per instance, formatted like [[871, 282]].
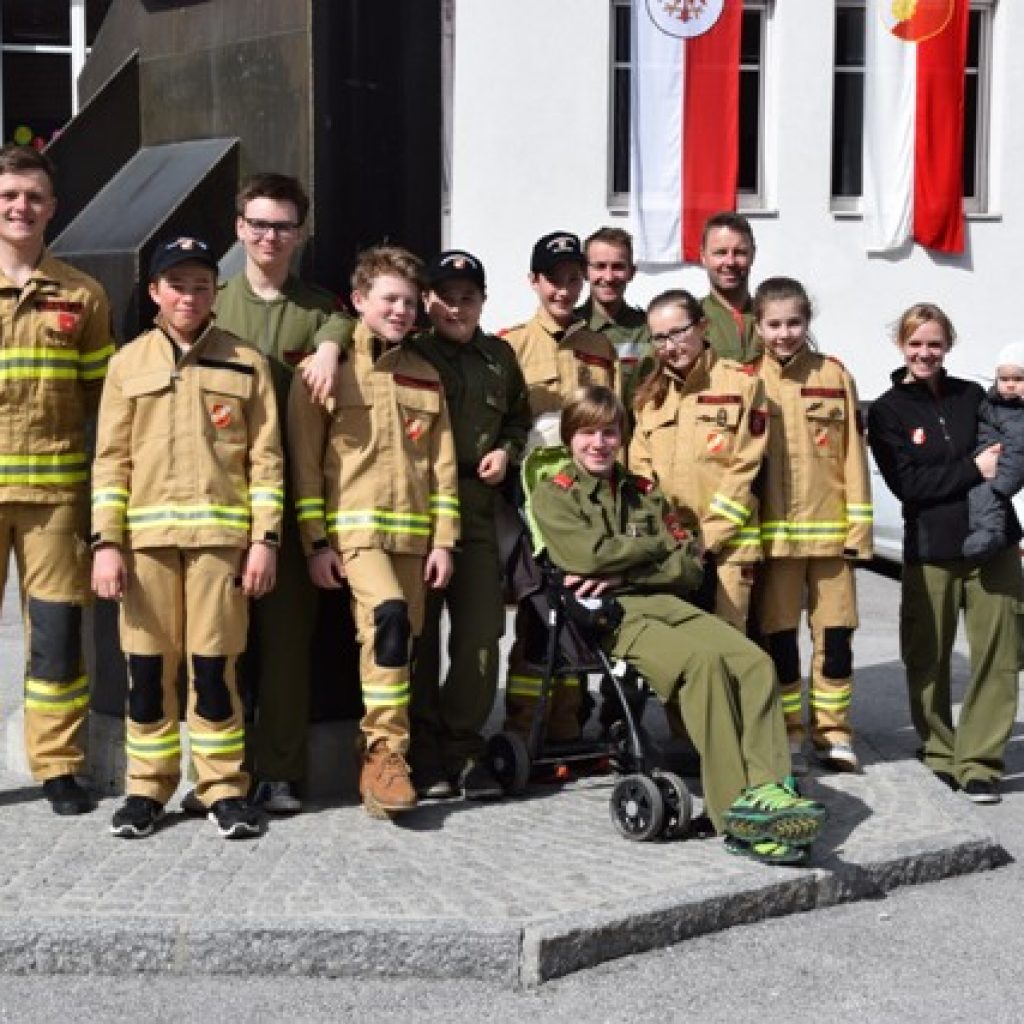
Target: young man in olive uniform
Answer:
[[727, 252], [610, 268], [614, 534], [55, 343], [285, 318], [490, 417]]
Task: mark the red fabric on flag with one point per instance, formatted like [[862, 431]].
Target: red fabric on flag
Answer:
[[711, 105], [939, 136]]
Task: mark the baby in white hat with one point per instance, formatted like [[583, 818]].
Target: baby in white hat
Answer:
[[1000, 421]]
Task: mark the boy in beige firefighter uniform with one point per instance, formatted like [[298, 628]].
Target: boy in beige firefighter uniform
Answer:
[[377, 497], [54, 348], [187, 504], [815, 521], [558, 354], [701, 433]]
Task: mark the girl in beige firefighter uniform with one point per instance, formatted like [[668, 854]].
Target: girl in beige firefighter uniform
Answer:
[[700, 432], [187, 498], [376, 481], [815, 521]]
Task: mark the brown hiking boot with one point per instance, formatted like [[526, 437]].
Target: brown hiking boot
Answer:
[[384, 782]]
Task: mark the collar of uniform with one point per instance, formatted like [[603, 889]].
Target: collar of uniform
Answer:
[[627, 316], [286, 293], [46, 272], [592, 485], [176, 346], [364, 340], [719, 303], [446, 345], [902, 378], [794, 364], [699, 374], [544, 319]]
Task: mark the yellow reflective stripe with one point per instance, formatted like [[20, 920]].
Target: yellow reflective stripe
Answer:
[[186, 516], [731, 510], [94, 364], [781, 530], [379, 519], [308, 509], [837, 699], [212, 743], [524, 686], [45, 695], [67, 467], [444, 505], [154, 747], [791, 702], [386, 695], [746, 537], [860, 513], [266, 497]]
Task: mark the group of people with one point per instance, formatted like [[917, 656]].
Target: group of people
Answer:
[[259, 444]]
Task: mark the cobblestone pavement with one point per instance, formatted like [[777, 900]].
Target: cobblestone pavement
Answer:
[[521, 890]]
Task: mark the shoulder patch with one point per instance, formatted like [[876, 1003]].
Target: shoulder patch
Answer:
[[750, 369], [563, 480], [643, 484]]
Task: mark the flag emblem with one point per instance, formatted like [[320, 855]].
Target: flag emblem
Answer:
[[913, 21], [715, 442], [684, 19], [220, 415]]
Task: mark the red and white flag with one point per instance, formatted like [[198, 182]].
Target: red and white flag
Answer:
[[914, 123], [684, 122]]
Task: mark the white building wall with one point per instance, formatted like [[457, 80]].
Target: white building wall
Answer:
[[530, 155]]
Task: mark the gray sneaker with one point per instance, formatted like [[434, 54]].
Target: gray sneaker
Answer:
[[277, 797]]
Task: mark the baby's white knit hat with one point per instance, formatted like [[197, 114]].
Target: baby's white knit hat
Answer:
[[1011, 355]]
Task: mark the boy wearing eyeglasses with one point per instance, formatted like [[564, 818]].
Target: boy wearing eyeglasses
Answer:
[[285, 318]]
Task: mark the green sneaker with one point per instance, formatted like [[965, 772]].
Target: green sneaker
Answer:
[[766, 851], [773, 812]]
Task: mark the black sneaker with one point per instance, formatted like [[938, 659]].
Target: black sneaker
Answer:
[[432, 784], [136, 817], [66, 796], [982, 791], [476, 782], [235, 819], [193, 806]]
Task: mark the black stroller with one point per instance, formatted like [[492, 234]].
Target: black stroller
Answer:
[[646, 802]]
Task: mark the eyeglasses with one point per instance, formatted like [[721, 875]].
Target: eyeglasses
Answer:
[[281, 228], [673, 337]]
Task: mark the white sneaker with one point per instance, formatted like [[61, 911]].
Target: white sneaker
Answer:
[[797, 758], [840, 757], [277, 797]]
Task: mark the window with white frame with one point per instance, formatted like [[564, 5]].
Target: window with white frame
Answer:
[[43, 45], [750, 188], [848, 105]]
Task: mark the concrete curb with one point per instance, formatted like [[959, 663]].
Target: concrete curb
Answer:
[[512, 953]]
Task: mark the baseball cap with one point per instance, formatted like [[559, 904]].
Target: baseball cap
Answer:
[[556, 248], [181, 250], [455, 263]]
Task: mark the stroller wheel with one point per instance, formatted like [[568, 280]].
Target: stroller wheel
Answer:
[[678, 804], [509, 761], [637, 807]]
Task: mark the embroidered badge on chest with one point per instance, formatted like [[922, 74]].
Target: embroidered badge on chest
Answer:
[[414, 428], [66, 322], [220, 415], [715, 442], [821, 437], [918, 436]]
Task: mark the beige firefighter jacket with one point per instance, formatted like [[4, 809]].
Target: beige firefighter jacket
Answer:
[[55, 341], [188, 451], [377, 468], [556, 361], [817, 495], [704, 446]]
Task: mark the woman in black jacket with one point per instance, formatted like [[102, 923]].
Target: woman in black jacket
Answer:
[[922, 433]]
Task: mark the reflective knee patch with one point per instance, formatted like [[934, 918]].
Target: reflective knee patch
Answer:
[[213, 702], [145, 688], [56, 640], [838, 660], [786, 656], [391, 634]]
